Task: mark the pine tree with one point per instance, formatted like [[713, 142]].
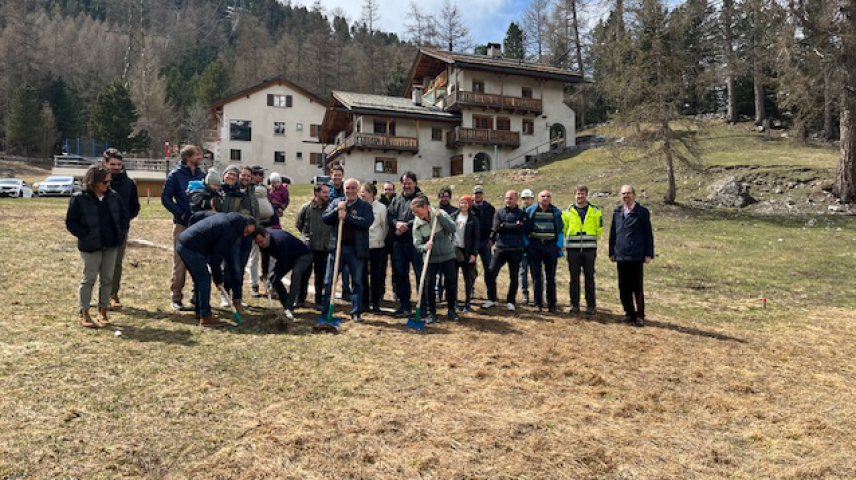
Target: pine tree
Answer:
[[113, 117], [24, 121], [514, 45], [65, 106], [213, 84]]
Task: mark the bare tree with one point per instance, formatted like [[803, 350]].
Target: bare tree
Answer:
[[451, 29], [420, 27], [371, 15], [730, 67], [535, 20]]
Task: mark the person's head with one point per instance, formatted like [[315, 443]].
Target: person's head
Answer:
[[445, 196], [250, 227], [191, 155], [511, 199], [230, 176], [628, 195], [246, 177], [389, 189], [262, 238], [352, 189], [545, 199], [465, 204], [368, 192], [97, 179], [527, 197], [478, 195], [581, 195], [113, 161], [258, 174], [213, 179], [419, 207], [322, 192], [408, 183], [337, 173], [275, 180]]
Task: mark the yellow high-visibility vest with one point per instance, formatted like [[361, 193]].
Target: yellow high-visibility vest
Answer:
[[579, 234]]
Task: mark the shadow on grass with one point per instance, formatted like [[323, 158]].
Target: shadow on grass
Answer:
[[160, 335], [611, 318], [186, 318]]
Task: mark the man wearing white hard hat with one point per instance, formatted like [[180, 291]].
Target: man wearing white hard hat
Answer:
[[527, 198]]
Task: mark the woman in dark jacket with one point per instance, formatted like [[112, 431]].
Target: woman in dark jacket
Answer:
[[466, 243], [99, 220]]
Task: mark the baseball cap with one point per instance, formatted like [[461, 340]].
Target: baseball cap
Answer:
[[478, 189], [527, 194], [258, 170]]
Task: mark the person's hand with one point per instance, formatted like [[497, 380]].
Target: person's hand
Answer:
[[648, 260], [472, 259], [401, 228], [612, 258], [219, 286], [437, 211], [429, 245]]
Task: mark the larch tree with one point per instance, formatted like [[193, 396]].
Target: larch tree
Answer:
[[535, 27], [453, 33]]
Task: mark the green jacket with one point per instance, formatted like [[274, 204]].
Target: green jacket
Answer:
[[443, 249]]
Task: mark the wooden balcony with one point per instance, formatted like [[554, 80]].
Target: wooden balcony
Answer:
[[479, 136], [376, 142], [491, 101]]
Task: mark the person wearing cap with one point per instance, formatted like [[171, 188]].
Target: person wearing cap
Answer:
[[278, 194], [583, 227], [527, 198], [202, 195], [485, 212], [544, 229], [291, 255]]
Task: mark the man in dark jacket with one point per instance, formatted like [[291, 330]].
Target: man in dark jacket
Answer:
[[204, 245], [174, 198], [544, 227], [509, 236], [631, 245], [291, 255], [316, 235], [485, 212], [127, 190], [337, 190], [386, 199], [357, 217], [400, 220]]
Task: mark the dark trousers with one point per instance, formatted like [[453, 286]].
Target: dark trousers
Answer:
[[197, 266], [486, 257], [355, 265], [582, 260], [233, 272], [543, 257], [448, 270], [513, 259], [470, 272], [630, 288], [300, 270], [374, 278], [319, 266], [405, 256]]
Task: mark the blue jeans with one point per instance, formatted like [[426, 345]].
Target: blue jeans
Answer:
[[197, 266], [524, 274], [355, 265], [405, 255]]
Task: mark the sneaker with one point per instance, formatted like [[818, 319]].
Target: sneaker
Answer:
[[488, 304], [431, 319], [288, 314], [639, 322], [590, 311], [244, 304], [454, 316], [256, 293], [224, 302], [177, 306], [525, 298], [467, 309], [509, 307], [357, 318]]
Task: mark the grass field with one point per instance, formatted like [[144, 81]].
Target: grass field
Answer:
[[716, 387]]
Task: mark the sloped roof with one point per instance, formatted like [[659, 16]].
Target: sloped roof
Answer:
[[387, 104], [277, 80]]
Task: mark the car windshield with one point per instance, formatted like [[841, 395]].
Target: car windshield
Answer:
[[57, 179], [8, 181]]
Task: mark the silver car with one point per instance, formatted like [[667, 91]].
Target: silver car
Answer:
[[13, 187], [63, 186]]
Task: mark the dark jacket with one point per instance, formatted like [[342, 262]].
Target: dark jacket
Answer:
[[286, 249], [234, 200], [450, 209], [631, 239], [485, 214], [399, 211], [360, 217], [336, 192], [84, 220], [204, 199], [174, 197], [386, 200], [214, 237], [509, 229], [127, 190], [316, 233], [472, 232]]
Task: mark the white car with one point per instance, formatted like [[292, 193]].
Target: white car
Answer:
[[12, 187], [65, 186]]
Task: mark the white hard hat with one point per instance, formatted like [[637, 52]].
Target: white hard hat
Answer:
[[527, 194]]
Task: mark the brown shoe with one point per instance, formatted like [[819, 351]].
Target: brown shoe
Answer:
[[115, 304], [211, 321], [102, 318], [86, 320], [240, 308]]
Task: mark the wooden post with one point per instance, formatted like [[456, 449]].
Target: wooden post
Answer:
[[148, 196]]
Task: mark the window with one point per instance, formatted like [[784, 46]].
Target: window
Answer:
[[526, 92], [386, 165], [234, 155], [380, 128], [528, 127], [478, 87], [241, 130], [436, 134], [314, 130], [299, 155], [279, 128], [279, 101], [299, 127], [315, 159], [278, 157], [482, 122], [503, 124], [438, 172]]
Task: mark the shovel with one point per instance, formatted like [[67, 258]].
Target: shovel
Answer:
[[328, 322], [416, 321], [231, 304]]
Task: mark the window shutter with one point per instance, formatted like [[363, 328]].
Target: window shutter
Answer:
[[270, 100], [288, 100]]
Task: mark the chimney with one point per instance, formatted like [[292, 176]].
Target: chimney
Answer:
[[417, 95], [494, 50]]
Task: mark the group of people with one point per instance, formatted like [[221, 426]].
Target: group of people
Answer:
[[226, 224]]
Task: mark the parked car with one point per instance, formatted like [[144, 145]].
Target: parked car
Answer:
[[13, 187], [64, 186], [320, 179]]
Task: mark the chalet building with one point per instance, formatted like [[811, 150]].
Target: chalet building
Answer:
[[275, 124], [460, 113]]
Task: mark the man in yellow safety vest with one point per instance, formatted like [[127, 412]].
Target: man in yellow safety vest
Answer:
[[583, 226]]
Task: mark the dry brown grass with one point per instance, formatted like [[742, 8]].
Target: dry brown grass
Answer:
[[523, 396]]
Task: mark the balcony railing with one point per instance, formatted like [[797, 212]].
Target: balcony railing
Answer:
[[147, 164], [377, 142], [500, 102], [502, 138]]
